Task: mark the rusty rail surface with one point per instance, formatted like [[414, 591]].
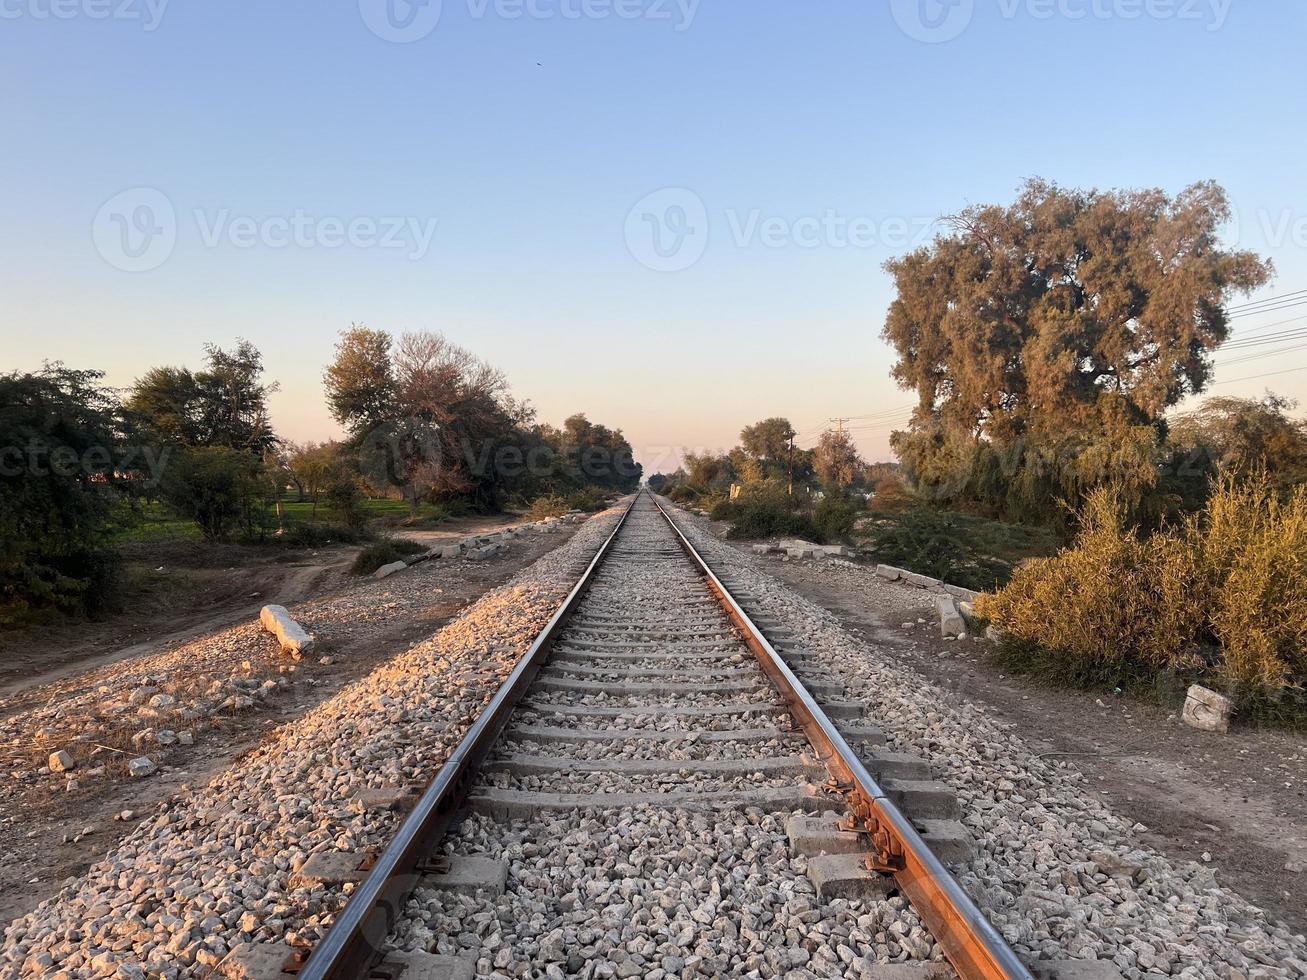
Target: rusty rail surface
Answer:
[[971, 943], [353, 944]]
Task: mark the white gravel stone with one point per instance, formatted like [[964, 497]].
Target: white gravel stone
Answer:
[[1056, 870]]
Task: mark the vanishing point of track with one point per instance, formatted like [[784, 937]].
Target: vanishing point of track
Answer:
[[649, 647]]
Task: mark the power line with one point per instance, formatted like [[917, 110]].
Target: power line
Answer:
[[1273, 338], [1269, 299], [1255, 376], [1287, 305], [1258, 357]]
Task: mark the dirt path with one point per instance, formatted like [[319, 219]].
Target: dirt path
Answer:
[[1236, 802], [49, 832], [215, 598]]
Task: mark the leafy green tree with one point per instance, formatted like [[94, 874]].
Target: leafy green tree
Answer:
[[61, 450], [223, 405], [1044, 340], [224, 491], [360, 381], [768, 442]]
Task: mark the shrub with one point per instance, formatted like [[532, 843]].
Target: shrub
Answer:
[[836, 514], [1222, 597], [222, 490], [59, 464], [344, 501], [762, 519], [384, 553], [545, 507], [892, 496], [589, 499]]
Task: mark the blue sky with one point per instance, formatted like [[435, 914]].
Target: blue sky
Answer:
[[808, 142]]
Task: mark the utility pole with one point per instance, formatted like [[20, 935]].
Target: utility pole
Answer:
[[790, 465], [839, 423]]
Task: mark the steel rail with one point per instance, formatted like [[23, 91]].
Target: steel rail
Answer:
[[353, 944], [971, 943]]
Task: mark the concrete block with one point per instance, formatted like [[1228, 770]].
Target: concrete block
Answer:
[[390, 798], [813, 835], [1206, 710], [385, 571], [470, 875], [958, 592], [451, 550], [923, 799], [430, 966], [292, 636], [922, 581], [255, 961], [1075, 970], [889, 573], [786, 544], [846, 876], [329, 868], [801, 553], [951, 622], [949, 840]]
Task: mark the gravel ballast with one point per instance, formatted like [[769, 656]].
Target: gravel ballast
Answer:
[[1056, 870], [212, 869]]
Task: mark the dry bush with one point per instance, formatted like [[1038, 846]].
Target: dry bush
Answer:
[[892, 496], [1255, 569], [1223, 596]]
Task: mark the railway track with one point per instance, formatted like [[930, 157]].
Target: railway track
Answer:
[[747, 794]]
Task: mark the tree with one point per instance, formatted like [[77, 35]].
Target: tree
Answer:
[[223, 405], [1245, 434], [224, 491], [836, 460], [768, 442], [709, 472], [1044, 340], [61, 456], [310, 466], [360, 382]]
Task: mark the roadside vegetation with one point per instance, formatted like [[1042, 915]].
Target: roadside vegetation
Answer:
[[1220, 597], [1129, 544], [186, 462], [385, 552]]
